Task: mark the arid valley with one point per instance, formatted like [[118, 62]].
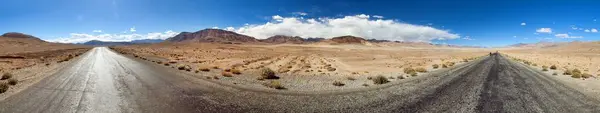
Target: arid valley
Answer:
[[214, 70]]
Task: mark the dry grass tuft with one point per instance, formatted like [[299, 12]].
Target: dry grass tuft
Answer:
[[409, 70], [226, 74], [267, 73], [380, 80], [6, 76], [553, 67], [274, 84], [13, 81], [421, 70], [3, 87], [350, 78], [236, 71], [435, 66], [338, 83], [586, 75], [204, 69]]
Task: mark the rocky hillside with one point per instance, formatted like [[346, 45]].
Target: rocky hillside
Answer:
[[211, 35], [279, 39]]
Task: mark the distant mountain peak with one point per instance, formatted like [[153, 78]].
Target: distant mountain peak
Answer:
[[211, 35], [18, 35]]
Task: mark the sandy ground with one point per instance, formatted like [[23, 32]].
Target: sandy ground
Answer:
[[584, 56], [31, 60], [301, 67]]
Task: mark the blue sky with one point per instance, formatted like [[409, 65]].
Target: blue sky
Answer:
[[476, 22]]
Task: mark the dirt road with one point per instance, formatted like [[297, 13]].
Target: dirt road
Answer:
[[104, 81]]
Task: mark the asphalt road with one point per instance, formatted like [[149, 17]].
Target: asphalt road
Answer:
[[104, 81]]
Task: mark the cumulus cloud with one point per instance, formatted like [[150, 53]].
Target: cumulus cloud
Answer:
[[97, 31], [300, 13], [358, 25], [523, 23], [544, 30], [566, 36], [594, 30], [467, 38], [132, 29], [377, 16], [82, 37], [586, 30]]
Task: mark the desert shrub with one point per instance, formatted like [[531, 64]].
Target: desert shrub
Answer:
[[401, 77], [236, 71], [365, 85], [204, 69], [413, 74], [6, 76], [167, 64], [226, 74], [576, 71], [183, 67], [554, 73], [391, 77], [544, 68], [331, 69], [227, 70], [567, 72], [380, 80], [444, 66], [465, 60], [3, 87], [350, 78], [435, 66], [586, 75], [409, 70], [576, 75], [421, 70], [267, 73], [12, 81], [553, 67], [215, 67], [338, 83], [535, 65], [274, 84], [369, 78]]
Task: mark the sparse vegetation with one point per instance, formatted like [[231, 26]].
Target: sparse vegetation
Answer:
[[6, 76], [409, 70], [183, 67], [435, 66], [236, 71], [274, 84], [421, 70], [350, 78], [226, 74], [586, 75], [3, 87], [544, 68], [444, 66], [554, 73], [553, 67], [380, 80], [13, 81], [204, 69], [267, 73], [338, 83], [401, 77], [413, 74]]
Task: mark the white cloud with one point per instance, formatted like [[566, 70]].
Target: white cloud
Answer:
[[586, 30], [277, 18], [514, 36], [523, 23], [215, 27], [467, 38], [574, 27], [566, 36], [544, 30], [82, 37], [97, 31], [594, 30], [377, 16], [357, 25], [300, 13], [132, 29]]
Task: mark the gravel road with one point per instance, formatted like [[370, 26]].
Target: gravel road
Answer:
[[104, 81]]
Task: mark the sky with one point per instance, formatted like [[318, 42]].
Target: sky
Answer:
[[458, 22]]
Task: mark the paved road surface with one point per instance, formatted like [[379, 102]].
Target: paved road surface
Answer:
[[104, 81]]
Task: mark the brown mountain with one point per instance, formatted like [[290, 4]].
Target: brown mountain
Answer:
[[211, 35], [346, 40], [17, 35], [278, 39]]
